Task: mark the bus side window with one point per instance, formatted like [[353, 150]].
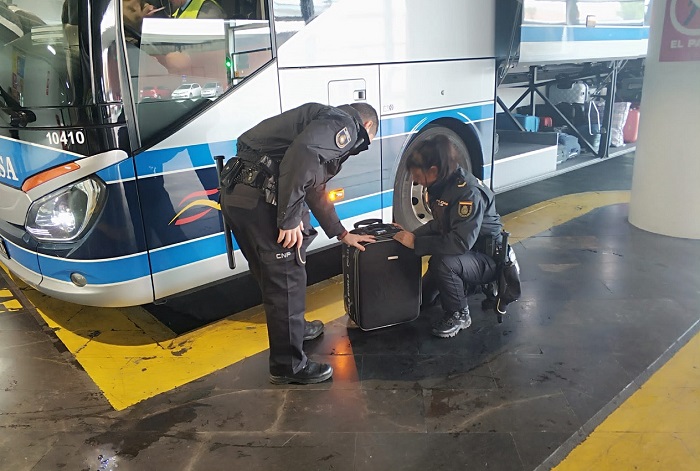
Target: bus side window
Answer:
[[180, 63]]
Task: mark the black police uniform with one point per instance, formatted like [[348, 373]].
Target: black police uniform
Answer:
[[461, 239], [310, 143]]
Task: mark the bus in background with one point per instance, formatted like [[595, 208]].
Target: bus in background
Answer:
[[109, 124]]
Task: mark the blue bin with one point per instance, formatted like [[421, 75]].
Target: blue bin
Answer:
[[530, 123]]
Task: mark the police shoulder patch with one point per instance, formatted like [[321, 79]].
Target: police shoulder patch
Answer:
[[466, 208], [342, 139]]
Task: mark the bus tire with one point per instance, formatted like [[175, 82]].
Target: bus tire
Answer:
[[410, 209]]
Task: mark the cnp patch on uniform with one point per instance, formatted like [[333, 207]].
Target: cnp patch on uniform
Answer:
[[466, 208], [342, 139]]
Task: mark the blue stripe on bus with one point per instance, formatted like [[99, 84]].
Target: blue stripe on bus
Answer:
[[188, 252], [356, 207], [154, 162], [487, 172], [96, 272], [404, 124], [124, 269], [24, 257], [193, 251], [28, 160], [158, 161], [123, 170], [535, 34]]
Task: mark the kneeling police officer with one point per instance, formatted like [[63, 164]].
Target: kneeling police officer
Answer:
[[281, 172], [462, 237]]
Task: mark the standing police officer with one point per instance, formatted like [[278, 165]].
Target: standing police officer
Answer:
[[461, 238], [283, 166]]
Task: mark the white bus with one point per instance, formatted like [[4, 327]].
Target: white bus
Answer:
[[109, 128]]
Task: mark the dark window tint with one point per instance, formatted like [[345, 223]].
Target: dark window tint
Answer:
[[40, 61]]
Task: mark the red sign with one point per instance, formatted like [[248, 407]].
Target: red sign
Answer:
[[680, 40]]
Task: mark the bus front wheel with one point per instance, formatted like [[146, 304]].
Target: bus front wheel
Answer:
[[410, 199]]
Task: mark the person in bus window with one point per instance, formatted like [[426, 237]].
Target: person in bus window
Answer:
[[159, 9], [462, 236], [285, 162], [140, 63], [197, 9]]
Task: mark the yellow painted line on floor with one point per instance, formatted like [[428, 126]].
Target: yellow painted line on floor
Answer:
[[551, 213], [8, 303], [131, 356], [656, 429]]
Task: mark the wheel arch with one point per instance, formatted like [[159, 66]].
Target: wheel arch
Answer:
[[470, 136], [466, 131], [408, 206]]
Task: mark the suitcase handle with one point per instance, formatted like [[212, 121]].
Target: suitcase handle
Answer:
[[367, 222], [376, 228]]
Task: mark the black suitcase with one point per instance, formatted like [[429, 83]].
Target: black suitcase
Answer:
[[382, 285]]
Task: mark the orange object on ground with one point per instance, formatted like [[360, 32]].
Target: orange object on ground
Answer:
[[631, 126]]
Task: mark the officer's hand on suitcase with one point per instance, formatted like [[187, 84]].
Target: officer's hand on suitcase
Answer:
[[406, 238], [354, 240], [291, 237]]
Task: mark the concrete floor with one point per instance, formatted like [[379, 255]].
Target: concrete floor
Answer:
[[601, 302]]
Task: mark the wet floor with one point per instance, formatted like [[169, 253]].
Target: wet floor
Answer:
[[601, 301]]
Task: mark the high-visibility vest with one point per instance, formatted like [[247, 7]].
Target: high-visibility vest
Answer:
[[191, 11]]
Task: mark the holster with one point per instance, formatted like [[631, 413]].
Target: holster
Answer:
[[261, 174], [490, 246]]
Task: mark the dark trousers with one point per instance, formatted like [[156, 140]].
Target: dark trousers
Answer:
[[280, 273], [449, 276]]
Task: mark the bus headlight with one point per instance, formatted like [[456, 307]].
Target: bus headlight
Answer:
[[64, 214]]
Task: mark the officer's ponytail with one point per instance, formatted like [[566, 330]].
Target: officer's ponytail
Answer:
[[437, 151]]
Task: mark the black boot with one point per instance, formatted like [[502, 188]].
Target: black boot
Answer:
[[312, 329], [452, 322], [312, 373]]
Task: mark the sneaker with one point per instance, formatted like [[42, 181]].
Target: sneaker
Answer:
[[452, 323], [312, 329], [312, 373]]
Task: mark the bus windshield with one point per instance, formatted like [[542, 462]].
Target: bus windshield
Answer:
[[40, 61]]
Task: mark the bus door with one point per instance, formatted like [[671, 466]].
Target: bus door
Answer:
[[197, 83]]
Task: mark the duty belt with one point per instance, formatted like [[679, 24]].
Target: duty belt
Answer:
[[260, 174], [488, 245]]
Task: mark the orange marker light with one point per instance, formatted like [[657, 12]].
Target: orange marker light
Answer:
[[337, 194], [43, 177]]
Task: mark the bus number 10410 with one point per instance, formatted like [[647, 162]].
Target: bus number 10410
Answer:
[[65, 138]]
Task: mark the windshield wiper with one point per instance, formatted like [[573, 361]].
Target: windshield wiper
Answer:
[[19, 115]]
